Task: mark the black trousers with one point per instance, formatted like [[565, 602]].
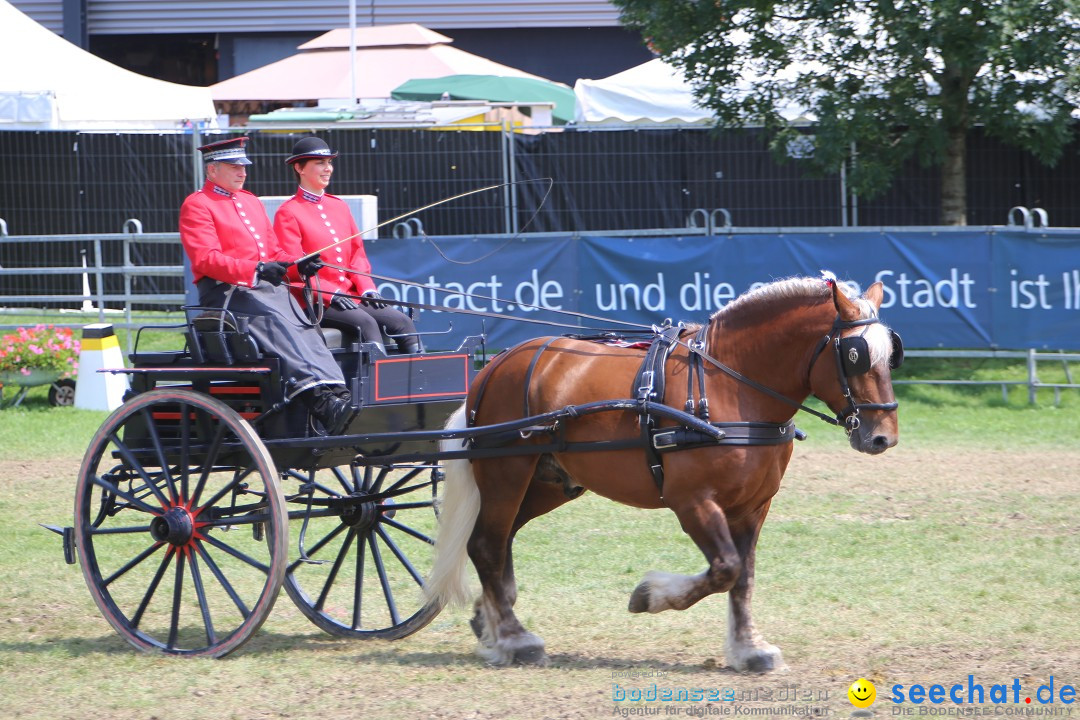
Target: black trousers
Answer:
[[278, 325], [371, 321]]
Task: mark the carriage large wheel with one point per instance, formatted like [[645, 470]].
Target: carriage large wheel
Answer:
[[180, 525], [362, 544]]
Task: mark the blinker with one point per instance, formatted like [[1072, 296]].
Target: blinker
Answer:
[[855, 355], [897, 357]]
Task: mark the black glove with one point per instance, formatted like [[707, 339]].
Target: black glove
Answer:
[[374, 300], [309, 266], [271, 272], [342, 303]]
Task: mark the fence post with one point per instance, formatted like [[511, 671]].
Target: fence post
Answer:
[[1033, 378], [99, 277], [196, 158]]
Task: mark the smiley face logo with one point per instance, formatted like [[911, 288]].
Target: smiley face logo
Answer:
[[862, 693]]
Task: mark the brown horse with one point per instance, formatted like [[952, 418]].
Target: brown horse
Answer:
[[787, 340]]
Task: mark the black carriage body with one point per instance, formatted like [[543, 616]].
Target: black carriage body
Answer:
[[395, 395]]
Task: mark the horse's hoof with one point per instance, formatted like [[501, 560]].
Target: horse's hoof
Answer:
[[761, 660], [532, 655], [639, 599]]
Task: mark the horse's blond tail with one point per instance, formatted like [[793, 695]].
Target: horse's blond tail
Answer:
[[448, 582]]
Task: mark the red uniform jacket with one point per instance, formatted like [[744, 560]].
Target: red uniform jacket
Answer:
[[227, 234], [305, 223]]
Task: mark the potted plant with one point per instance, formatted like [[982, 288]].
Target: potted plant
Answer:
[[39, 355]]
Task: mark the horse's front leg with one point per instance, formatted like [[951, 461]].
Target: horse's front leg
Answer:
[[705, 523], [745, 649]]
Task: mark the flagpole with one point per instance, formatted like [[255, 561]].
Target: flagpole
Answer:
[[352, 51]]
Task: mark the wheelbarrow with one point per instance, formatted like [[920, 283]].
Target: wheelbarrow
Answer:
[[61, 389]]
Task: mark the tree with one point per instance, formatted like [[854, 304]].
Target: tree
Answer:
[[891, 79]]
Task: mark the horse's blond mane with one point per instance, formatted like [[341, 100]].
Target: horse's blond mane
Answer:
[[793, 287], [816, 289]]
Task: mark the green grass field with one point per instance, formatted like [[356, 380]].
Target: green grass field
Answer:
[[953, 554]]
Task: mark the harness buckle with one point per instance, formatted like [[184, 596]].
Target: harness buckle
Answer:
[[665, 440], [647, 385]]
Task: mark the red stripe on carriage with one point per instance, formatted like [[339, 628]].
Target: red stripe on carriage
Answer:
[[415, 359], [235, 390], [191, 416]]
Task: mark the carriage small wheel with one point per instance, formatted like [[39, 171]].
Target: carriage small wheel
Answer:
[[362, 544], [62, 393], [167, 497]]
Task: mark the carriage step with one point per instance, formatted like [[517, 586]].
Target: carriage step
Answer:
[[68, 534]]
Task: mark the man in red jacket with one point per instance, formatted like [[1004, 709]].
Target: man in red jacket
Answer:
[[313, 220], [239, 266]]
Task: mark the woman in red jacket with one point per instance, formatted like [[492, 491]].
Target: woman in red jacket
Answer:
[[312, 220]]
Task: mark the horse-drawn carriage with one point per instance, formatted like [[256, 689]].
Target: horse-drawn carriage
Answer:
[[207, 491]]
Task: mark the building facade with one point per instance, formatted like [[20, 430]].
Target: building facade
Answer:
[[204, 43]]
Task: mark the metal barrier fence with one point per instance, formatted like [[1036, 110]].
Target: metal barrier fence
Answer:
[[130, 286], [66, 182]]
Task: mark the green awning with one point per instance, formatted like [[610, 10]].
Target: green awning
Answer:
[[493, 88]]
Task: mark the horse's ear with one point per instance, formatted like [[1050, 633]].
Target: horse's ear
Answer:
[[845, 306], [874, 295]]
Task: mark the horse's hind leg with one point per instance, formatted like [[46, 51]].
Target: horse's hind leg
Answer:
[[503, 640], [745, 648], [706, 525]]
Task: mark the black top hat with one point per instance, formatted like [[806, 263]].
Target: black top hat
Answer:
[[310, 147], [227, 151]]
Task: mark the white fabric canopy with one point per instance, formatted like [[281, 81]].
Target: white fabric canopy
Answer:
[[46, 83], [652, 93]]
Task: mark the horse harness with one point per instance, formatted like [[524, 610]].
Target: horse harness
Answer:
[[647, 391]]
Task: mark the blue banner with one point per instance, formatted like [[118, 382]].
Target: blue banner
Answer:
[[976, 289]]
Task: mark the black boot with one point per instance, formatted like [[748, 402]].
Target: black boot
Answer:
[[331, 406]]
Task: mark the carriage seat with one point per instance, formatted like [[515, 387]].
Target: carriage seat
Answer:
[[219, 340]]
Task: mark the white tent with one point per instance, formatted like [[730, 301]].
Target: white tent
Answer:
[[652, 93], [46, 83]]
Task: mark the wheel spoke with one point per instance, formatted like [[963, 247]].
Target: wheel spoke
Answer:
[[160, 451], [407, 530], [383, 579], [152, 588], [185, 449], [228, 487], [178, 591], [200, 593], [334, 570], [405, 490], [236, 553], [399, 555], [404, 479], [377, 485], [318, 546], [136, 502], [132, 563], [208, 464], [240, 605], [341, 479], [134, 464], [358, 581]]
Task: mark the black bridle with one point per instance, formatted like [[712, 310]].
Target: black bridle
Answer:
[[852, 355], [852, 359]]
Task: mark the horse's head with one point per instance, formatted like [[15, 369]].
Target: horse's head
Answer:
[[851, 370]]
